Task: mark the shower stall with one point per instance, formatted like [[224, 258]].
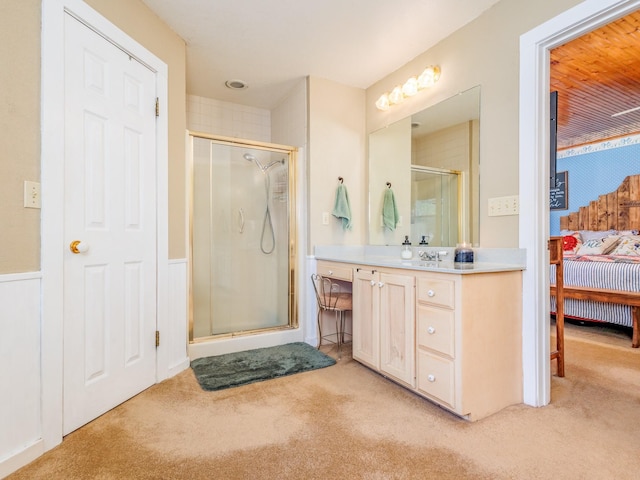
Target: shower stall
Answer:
[[242, 238], [435, 205]]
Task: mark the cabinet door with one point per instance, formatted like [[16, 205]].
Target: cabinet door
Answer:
[[397, 326], [366, 323]]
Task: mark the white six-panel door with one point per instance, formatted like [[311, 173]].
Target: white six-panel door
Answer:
[[110, 207]]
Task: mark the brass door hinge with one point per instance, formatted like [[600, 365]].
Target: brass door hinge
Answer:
[[157, 338], [157, 107]]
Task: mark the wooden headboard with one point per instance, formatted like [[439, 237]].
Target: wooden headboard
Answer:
[[618, 210]]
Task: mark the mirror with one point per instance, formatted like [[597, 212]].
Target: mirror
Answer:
[[432, 161]]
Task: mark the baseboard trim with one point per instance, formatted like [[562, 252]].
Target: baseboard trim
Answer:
[[22, 458]]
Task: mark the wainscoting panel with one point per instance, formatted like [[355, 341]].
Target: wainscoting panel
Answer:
[[177, 336], [20, 417]]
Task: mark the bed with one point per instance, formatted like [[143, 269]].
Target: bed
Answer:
[[601, 260]]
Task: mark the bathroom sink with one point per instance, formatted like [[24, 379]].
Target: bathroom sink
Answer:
[[417, 262]]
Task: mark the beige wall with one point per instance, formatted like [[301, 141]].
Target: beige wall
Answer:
[[20, 120], [486, 53], [19, 133], [140, 23], [336, 149]]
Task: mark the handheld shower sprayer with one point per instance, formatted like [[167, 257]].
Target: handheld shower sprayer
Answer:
[[267, 223], [252, 158]]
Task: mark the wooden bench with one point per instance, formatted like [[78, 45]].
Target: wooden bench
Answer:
[[608, 296]]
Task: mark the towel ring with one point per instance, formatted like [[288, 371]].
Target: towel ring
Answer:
[[388, 184], [340, 179]]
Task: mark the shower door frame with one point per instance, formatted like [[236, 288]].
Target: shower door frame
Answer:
[[292, 216], [463, 209]]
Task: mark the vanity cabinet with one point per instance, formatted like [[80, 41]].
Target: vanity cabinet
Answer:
[[453, 338], [337, 271], [384, 322], [468, 341]]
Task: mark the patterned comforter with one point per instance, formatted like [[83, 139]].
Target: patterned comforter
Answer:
[[614, 272]]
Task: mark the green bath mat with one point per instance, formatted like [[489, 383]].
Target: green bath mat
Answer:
[[241, 368]]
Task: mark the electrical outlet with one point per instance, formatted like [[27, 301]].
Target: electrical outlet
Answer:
[[31, 194], [325, 218]]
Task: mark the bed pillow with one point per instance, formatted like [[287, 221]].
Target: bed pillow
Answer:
[[571, 242], [629, 245], [624, 233], [601, 246], [595, 234]]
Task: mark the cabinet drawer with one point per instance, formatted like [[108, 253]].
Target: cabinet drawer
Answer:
[[335, 270], [436, 292], [436, 377], [435, 329]]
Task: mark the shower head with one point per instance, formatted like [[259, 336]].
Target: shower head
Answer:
[[251, 158], [281, 161]]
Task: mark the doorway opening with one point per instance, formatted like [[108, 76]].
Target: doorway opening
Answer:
[[534, 178]]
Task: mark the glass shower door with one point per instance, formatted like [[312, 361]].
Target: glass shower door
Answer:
[[240, 239], [434, 206]]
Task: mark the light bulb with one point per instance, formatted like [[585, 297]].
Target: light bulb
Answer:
[[410, 88], [429, 76], [383, 102], [396, 96]]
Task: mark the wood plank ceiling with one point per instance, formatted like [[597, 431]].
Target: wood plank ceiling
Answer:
[[598, 76]]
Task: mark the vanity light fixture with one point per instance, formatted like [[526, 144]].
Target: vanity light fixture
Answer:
[[413, 85]]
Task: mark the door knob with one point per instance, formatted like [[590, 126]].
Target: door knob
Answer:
[[78, 246]]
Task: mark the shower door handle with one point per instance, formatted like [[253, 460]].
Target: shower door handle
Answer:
[[241, 219]]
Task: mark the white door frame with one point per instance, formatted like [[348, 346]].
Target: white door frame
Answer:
[[52, 179], [534, 178]]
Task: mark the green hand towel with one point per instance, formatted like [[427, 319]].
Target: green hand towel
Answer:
[[390, 215], [342, 209]]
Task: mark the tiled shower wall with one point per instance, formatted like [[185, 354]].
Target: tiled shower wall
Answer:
[[216, 117]]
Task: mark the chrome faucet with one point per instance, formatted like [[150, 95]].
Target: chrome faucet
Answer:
[[433, 255]]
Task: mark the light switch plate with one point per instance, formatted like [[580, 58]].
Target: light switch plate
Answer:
[[499, 206], [31, 194]]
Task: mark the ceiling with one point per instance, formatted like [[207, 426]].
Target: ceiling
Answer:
[[272, 44], [597, 76]]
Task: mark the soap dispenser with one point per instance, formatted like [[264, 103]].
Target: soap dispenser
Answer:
[[424, 240], [407, 253]]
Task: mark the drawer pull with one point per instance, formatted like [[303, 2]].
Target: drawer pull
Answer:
[[381, 284], [372, 283], [431, 293], [431, 330], [431, 378], [330, 272]]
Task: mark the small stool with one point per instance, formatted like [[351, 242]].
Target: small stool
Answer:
[[331, 299]]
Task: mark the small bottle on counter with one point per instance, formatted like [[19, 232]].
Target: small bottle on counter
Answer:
[[424, 240], [406, 253], [463, 253]]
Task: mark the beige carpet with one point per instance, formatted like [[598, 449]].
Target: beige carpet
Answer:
[[346, 422]]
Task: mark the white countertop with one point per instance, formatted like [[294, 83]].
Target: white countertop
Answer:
[[488, 259]]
